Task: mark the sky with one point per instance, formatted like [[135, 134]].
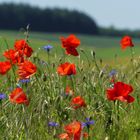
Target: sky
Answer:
[[122, 14]]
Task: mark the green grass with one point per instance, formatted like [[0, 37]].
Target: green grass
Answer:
[[106, 48], [113, 120]]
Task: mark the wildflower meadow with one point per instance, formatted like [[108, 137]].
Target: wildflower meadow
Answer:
[[69, 95]]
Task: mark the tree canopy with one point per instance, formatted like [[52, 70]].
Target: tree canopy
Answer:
[[15, 16]]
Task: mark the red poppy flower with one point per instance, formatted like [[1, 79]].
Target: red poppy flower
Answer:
[[21, 45], [85, 135], [4, 67], [121, 92], [64, 136], [78, 102], [18, 96], [26, 69], [74, 130], [126, 42], [66, 69], [68, 91], [70, 44], [14, 56]]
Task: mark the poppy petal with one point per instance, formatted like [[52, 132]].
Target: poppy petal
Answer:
[[72, 51]]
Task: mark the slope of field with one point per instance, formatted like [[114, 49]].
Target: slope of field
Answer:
[[52, 95], [106, 48]]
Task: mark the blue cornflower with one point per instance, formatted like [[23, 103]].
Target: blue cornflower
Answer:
[[48, 48], [54, 124], [87, 123], [112, 73], [24, 80], [2, 96]]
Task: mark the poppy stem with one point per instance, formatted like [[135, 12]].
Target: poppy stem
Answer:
[[72, 83], [132, 54], [118, 111], [132, 58], [116, 117], [95, 62], [25, 121], [113, 112], [65, 82], [115, 58], [64, 56], [27, 32]]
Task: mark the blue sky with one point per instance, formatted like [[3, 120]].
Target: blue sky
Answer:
[[120, 13]]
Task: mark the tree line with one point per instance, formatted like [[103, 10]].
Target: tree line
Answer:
[[15, 16]]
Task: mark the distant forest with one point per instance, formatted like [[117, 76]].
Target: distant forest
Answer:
[[15, 16]]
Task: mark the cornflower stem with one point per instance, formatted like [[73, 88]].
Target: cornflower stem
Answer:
[[48, 57], [0, 104], [88, 133], [49, 71]]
